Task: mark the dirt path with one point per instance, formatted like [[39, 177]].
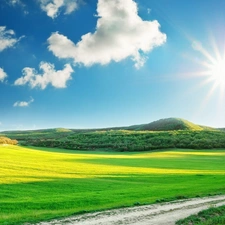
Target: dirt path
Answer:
[[156, 214]]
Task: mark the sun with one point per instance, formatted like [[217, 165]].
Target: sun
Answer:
[[209, 69], [213, 65], [217, 73]]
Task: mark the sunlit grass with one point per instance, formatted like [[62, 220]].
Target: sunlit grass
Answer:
[[38, 183], [25, 165]]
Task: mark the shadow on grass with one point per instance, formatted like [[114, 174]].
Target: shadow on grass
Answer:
[[36, 201]]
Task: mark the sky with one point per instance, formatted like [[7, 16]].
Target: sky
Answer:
[[109, 63]]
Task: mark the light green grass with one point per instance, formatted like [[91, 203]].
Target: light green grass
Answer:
[[40, 184]]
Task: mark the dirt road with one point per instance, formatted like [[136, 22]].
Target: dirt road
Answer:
[[156, 214]]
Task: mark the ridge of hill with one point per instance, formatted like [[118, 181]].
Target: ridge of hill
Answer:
[[167, 124], [170, 124], [160, 134]]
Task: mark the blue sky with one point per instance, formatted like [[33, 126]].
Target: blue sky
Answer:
[[106, 63]]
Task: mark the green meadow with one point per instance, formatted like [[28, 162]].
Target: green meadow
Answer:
[[40, 184], [211, 216]]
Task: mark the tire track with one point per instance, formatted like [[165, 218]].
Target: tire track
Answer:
[[155, 214]]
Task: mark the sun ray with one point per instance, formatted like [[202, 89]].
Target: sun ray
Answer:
[[214, 64], [215, 48], [209, 69], [198, 47]]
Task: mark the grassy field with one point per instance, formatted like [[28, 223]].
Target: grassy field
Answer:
[[212, 216], [40, 184]]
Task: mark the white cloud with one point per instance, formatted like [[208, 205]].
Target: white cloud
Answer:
[[7, 38], [49, 75], [120, 33], [70, 6], [3, 75], [14, 2], [23, 103], [53, 7]]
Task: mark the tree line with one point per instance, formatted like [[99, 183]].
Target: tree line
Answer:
[[123, 140]]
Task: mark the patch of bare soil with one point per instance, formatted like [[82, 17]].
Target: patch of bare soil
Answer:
[[156, 214]]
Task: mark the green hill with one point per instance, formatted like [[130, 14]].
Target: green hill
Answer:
[[170, 124], [161, 134]]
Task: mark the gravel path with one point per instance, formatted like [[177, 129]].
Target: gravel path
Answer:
[[156, 214]]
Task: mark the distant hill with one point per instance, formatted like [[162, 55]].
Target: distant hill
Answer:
[[221, 129], [170, 124], [160, 134]]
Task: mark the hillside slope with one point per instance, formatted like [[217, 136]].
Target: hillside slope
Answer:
[[170, 124], [161, 134]]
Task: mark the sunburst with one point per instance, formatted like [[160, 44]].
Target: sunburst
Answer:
[[214, 67], [217, 73], [209, 69]]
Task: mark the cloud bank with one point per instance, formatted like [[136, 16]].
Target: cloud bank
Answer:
[[3, 75], [7, 38], [48, 76], [120, 33], [53, 7], [23, 104]]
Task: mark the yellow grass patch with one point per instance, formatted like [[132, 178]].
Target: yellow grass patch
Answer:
[[18, 164]]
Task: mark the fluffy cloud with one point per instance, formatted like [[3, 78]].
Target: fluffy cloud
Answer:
[[53, 7], [7, 38], [49, 75], [120, 33], [23, 104], [3, 75]]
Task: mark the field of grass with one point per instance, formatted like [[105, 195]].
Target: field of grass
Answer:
[[40, 184], [212, 216]]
